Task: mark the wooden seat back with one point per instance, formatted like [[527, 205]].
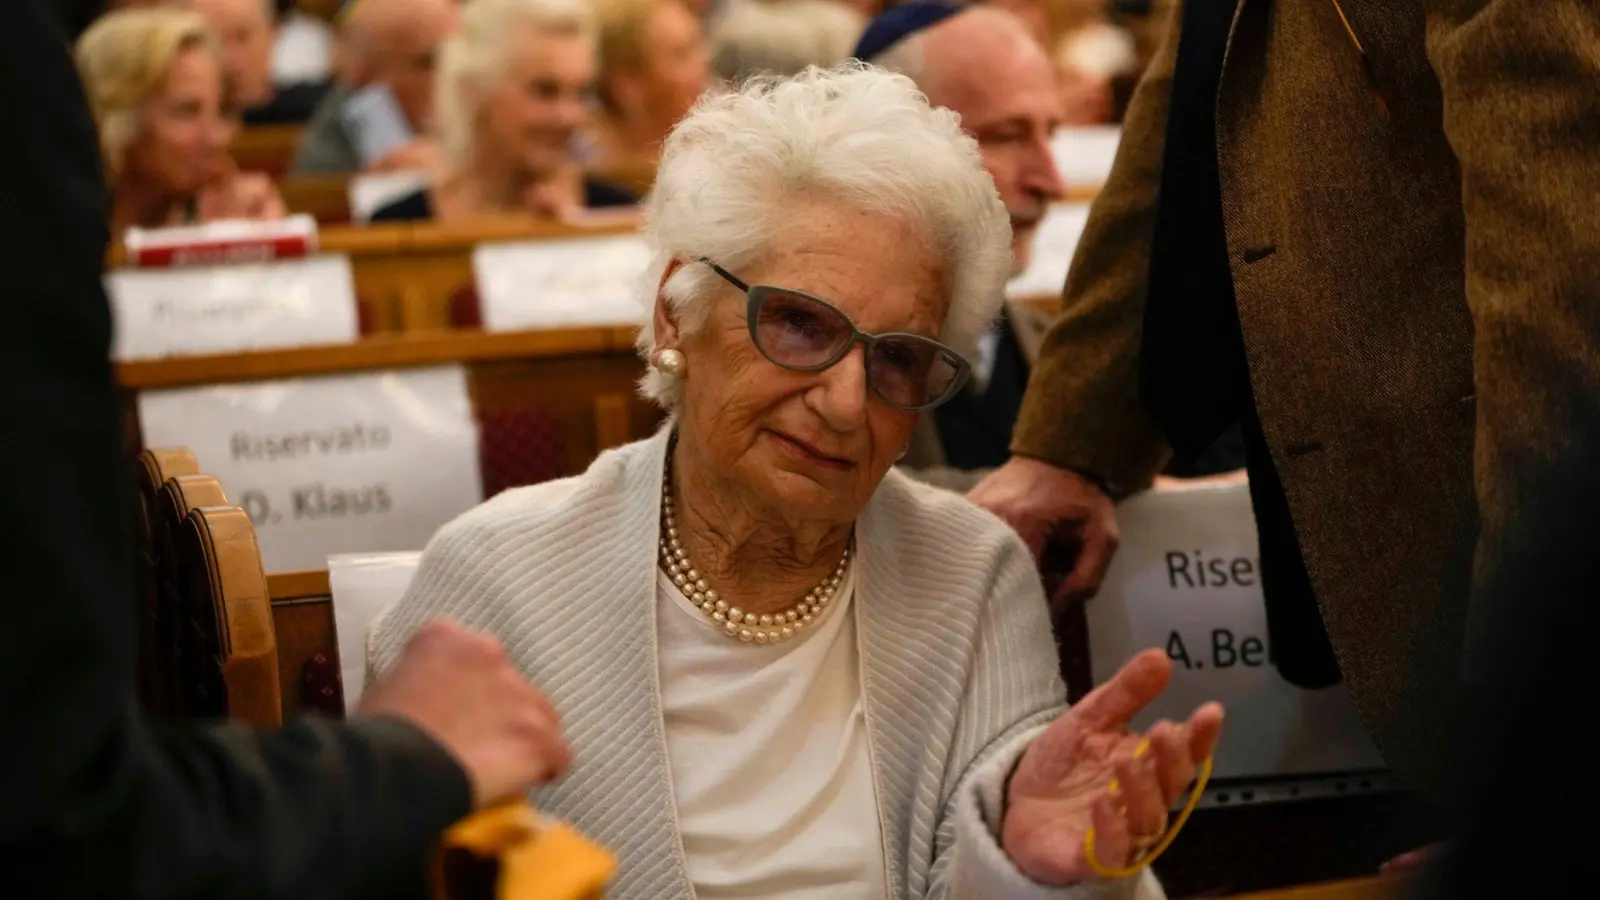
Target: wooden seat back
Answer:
[[231, 648], [308, 647], [268, 149], [152, 469], [325, 198]]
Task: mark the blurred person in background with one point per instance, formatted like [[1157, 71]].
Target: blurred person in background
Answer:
[[98, 800], [513, 86], [246, 31], [985, 65], [379, 115], [782, 37], [654, 63], [154, 80], [1090, 53]]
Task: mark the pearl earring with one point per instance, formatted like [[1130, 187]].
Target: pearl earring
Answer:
[[671, 362]]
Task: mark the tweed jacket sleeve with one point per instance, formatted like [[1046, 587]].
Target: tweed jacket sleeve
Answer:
[[1521, 87], [1082, 408]]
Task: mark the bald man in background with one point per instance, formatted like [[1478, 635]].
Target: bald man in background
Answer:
[[984, 65], [387, 43]]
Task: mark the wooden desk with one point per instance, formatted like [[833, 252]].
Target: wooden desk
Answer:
[[268, 149], [325, 198], [407, 274]]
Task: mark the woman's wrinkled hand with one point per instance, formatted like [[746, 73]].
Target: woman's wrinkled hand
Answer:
[[1063, 785]]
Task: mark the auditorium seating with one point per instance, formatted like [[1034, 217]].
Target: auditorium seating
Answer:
[[228, 623], [549, 401], [208, 650], [406, 275], [156, 683]]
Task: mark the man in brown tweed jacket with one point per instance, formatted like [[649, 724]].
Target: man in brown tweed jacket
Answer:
[[1368, 233]]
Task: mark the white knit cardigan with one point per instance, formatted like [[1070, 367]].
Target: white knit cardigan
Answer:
[[958, 667]]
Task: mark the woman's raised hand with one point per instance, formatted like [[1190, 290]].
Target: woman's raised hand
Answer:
[[1064, 784]]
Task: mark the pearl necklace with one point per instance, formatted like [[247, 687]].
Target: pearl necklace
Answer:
[[735, 622]]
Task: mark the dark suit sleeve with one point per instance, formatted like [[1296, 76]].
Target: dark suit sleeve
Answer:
[[95, 801], [1521, 87], [1082, 408]]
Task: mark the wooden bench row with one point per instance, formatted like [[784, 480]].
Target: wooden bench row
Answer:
[[407, 275], [210, 649], [547, 402]]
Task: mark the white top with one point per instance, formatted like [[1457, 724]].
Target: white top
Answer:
[[767, 745]]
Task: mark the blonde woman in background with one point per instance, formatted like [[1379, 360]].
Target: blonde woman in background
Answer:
[[512, 92], [782, 37], [154, 81], [654, 63]]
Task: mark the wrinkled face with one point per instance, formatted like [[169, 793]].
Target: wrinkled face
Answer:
[[811, 446], [539, 101], [1006, 93], [184, 136], [679, 62], [246, 36]]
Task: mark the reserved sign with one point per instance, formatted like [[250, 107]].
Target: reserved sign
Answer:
[[1187, 580], [338, 464], [561, 283], [226, 308]]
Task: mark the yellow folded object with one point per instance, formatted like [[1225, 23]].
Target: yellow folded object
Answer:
[[511, 853]]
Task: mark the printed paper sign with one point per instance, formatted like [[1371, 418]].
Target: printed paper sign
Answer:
[[1053, 245], [1187, 580], [339, 464], [1084, 154], [364, 586], [561, 283], [223, 309]]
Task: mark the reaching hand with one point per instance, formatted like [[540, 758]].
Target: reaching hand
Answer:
[[1063, 785], [1047, 504], [460, 688]]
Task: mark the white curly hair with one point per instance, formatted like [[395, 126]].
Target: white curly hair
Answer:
[[855, 133]]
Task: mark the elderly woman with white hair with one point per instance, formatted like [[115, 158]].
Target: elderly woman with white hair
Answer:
[[512, 93], [784, 668]]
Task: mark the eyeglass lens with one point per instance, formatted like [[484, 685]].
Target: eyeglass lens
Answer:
[[800, 332]]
